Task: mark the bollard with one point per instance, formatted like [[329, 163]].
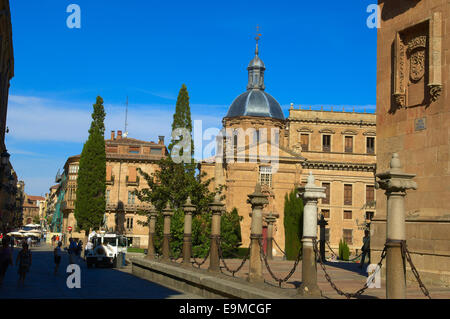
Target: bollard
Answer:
[[217, 208], [270, 220], [322, 223], [167, 213], [395, 183], [257, 200], [310, 194], [151, 235], [188, 209]]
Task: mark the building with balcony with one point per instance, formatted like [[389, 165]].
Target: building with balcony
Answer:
[[124, 156]]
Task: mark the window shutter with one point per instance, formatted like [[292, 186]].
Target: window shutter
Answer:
[[132, 174]]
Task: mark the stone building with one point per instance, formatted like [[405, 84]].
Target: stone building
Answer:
[[124, 156], [413, 120], [260, 145], [31, 208], [8, 179]]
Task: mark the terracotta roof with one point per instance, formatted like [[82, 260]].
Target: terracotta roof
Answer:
[[35, 197], [131, 141]]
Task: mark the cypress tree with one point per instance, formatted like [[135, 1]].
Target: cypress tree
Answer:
[[90, 202], [182, 117], [293, 224]]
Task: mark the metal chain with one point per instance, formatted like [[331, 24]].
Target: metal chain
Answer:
[[406, 253], [279, 280], [340, 292], [204, 260], [334, 253], [223, 259], [284, 253]]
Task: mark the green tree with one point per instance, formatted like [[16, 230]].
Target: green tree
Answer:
[[36, 220], [90, 200], [293, 224], [230, 230], [182, 117]]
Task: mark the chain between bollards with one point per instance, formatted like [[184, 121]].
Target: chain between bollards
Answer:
[[405, 253], [340, 292], [289, 275], [202, 262], [278, 246], [223, 259]]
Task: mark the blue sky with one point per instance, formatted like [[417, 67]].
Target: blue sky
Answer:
[[316, 53]]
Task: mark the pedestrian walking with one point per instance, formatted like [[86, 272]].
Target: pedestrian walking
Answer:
[[79, 250], [24, 261], [29, 242], [72, 250], [5, 258], [57, 253], [365, 248]]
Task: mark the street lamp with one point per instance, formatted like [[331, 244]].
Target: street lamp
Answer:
[[5, 158]]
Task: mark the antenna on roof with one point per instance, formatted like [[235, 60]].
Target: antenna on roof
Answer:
[[125, 134]]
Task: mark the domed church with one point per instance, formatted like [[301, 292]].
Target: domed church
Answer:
[[259, 145]]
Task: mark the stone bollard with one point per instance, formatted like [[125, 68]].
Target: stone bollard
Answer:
[[257, 200], [151, 235], [217, 208], [322, 223], [310, 194], [270, 220], [167, 213], [395, 183], [188, 209]]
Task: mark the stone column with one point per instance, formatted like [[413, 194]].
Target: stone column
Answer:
[[151, 235], [270, 220], [322, 223], [188, 209], [217, 209], [257, 200], [310, 194], [395, 183], [167, 213]]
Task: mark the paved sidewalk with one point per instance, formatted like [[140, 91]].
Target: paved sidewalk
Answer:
[[346, 276], [102, 283]]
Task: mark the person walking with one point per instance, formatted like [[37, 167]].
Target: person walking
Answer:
[[29, 242], [72, 250], [24, 261], [5, 258], [365, 248], [57, 253], [79, 250]]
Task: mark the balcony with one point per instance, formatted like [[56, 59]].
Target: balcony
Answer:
[[111, 181], [68, 204], [136, 183]]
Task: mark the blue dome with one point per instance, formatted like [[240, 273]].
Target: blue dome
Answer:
[[255, 103]]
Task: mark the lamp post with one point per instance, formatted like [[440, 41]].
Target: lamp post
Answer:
[[395, 182]]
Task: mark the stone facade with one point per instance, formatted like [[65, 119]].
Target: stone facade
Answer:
[[294, 147], [123, 157], [413, 120], [31, 208]]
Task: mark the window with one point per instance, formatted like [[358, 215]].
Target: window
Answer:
[[325, 213], [73, 169], [327, 234], [326, 143], [133, 150], [369, 215], [349, 144], [130, 223], [370, 194], [348, 236], [156, 151], [131, 197], [107, 195], [347, 214], [326, 200], [265, 175], [304, 141], [347, 194], [370, 145]]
